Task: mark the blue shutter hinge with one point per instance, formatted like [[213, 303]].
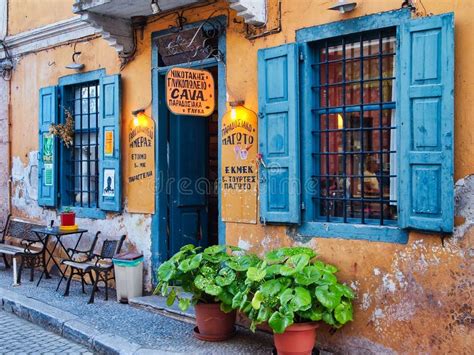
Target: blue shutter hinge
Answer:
[[302, 58], [303, 207], [261, 115]]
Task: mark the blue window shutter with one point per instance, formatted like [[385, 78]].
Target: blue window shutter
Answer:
[[110, 174], [279, 141], [426, 114], [47, 155]]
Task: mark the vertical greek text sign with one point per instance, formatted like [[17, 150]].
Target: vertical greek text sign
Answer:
[[239, 166], [190, 92], [141, 165]]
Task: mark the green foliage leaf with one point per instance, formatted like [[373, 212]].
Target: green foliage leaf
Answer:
[[225, 277], [314, 313], [309, 275], [276, 256], [343, 312], [273, 287], [329, 319], [189, 247], [184, 304], [345, 290], [239, 300], [329, 298], [273, 270], [301, 299], [166, 271], [242, 263], [263, 314], [257, 300], [327, 279], [226, 308], [215, 249], [190, 264], [171, 298], [255, 274], [294, 264], [279, 322], [207, 285], [208, 271], [286, 296]]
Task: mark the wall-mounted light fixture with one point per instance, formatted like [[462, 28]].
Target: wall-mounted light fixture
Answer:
[[74, 65], [344, 6], [235, 108], [139, 118], [155, 8]]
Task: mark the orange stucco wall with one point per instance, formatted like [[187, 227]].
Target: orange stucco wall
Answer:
[[411, 298], [26, 15]]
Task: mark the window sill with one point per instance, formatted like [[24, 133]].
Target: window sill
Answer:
[[388, 234], [92, 213]]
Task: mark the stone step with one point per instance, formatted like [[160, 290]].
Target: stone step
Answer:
[[158, 304]]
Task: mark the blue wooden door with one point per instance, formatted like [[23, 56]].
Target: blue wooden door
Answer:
[[188, 185]]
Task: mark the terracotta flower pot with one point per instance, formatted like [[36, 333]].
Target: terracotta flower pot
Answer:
[[298, 339], [68, 219], [212, 323]]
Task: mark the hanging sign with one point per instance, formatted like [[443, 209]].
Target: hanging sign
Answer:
[[239, 166], [48, 143], [190, 92], [141, 165]]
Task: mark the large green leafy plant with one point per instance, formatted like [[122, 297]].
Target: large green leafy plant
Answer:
[[211, 275], [291, 286]]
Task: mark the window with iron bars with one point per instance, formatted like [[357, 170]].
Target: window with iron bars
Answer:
[[354, 135], [84, 186]]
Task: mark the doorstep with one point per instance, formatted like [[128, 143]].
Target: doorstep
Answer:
[[158, 304]]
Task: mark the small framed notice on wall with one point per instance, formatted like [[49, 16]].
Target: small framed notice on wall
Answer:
[[109, 183], [109, 143]]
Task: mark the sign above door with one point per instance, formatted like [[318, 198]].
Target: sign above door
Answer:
[[190, 92]]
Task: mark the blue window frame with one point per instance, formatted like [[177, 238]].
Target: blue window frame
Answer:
[[75, 177], [325, 115]]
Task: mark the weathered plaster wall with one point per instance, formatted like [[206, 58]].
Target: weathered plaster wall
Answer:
[[413, 298], [29, 14], [4, 149]]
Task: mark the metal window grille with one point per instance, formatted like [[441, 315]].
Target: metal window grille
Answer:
[[84, 158], [354, 152]]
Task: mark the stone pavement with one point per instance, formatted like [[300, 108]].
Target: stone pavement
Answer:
[[18, 336], [110, 327]]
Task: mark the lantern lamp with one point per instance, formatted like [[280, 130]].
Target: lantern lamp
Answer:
[[237, 107], [139, 118], [344, 6]]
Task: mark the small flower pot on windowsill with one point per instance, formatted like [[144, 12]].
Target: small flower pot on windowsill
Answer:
[[68, 219]]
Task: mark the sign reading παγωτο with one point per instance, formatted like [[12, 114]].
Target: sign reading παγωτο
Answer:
[[190, 92], [239, 168]]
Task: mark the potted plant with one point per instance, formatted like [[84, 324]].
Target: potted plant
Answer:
[[292, 290], [213, 277], [68, 217]]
